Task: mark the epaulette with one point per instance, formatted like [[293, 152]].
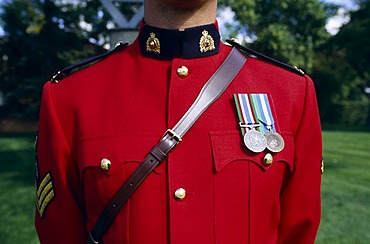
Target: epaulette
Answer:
[[265, 58], [67, 71]]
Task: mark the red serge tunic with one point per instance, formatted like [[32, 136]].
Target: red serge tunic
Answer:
[[117, 109]]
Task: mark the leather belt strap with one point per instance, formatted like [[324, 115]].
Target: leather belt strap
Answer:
[[210, 92]]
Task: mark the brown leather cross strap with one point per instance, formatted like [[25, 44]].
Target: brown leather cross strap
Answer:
[[210, 92]]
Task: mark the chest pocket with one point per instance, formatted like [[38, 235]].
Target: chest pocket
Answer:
[[124, 154], [228, 148], [246, 190]]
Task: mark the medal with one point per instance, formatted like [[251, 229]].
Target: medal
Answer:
[[262, 108], [275, 143], [257, 123], [255, 141]]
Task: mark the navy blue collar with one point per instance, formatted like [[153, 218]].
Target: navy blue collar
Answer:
[[167, 44]]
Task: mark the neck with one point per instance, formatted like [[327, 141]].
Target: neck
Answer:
[[179, 15]]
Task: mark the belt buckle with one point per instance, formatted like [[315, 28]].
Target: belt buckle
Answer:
[[172, 134]]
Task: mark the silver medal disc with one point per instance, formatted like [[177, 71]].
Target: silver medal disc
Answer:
[[255, 141], [275, 142]]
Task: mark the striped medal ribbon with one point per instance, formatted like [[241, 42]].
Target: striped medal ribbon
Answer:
[[262, 110], [254, 140]]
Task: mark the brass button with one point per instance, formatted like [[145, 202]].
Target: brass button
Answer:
[[268, 159], [182, 71], [180, 194], [105, 164], [322, 166]]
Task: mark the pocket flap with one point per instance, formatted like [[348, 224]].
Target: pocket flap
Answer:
[[118, 150], [228, 147]]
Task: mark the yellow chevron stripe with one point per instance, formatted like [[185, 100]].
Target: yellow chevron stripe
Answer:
[[46, 202], [44, 182], [44, 194]]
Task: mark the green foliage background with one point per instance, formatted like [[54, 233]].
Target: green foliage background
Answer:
[[42, 37], [289, 30]]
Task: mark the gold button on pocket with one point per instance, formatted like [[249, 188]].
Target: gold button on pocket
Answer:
[[105, 164], [180, 194], [268, 159], [182, 71]]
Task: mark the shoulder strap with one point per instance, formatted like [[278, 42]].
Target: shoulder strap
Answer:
[[210, 92], [66, 71], [266, 58]]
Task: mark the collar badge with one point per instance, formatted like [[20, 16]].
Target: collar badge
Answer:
[[206, 42], [153, 44]]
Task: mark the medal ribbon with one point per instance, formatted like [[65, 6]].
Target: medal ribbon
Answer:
[[245, 113], [262, 110]]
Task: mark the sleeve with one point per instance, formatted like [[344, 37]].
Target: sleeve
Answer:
[[59, 214], [301, 198]]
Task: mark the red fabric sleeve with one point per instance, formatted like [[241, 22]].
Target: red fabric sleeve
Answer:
[[300, 199], [59, 218]]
